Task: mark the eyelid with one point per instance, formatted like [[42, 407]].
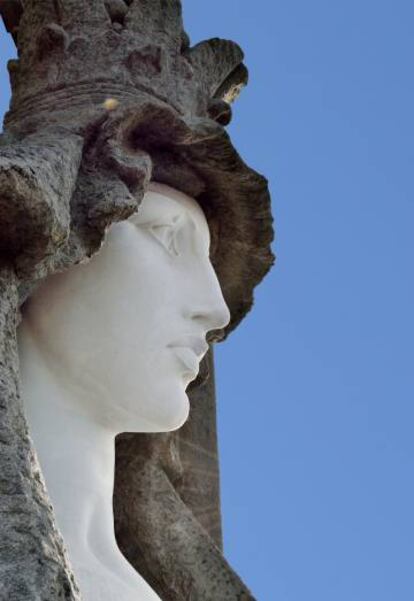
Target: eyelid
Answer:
[[173, 227], [169, 243]]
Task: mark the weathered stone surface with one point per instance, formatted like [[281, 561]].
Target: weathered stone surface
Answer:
[[106, 95], [37, 181], [33, 564]]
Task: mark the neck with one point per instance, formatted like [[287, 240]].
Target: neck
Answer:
[[77, 455]]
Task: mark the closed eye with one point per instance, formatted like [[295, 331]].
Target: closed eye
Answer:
[[176, 236], [165, 235]]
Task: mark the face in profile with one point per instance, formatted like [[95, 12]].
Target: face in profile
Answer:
[[125, 333]]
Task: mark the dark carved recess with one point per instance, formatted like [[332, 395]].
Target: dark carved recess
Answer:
[[107, 95]]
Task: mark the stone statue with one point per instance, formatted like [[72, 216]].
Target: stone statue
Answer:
[[107, 96], [110, 346]]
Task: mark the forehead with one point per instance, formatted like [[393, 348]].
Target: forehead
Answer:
[[161, 201]]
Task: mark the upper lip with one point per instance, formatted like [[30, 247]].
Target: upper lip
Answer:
[[196, 343]]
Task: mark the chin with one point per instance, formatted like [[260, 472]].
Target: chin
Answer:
[[175, 415], [168, 413]]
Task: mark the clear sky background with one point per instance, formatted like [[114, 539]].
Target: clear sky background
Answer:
[[316, 386]]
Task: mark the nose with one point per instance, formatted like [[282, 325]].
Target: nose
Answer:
[[208, 306]]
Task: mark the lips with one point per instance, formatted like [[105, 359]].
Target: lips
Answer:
[[190, 350]]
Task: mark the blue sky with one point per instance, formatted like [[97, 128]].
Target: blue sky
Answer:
[[316, 386]]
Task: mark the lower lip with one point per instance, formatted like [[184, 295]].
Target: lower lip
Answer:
[[188, 359]]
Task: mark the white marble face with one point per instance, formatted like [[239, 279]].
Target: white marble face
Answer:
[[128, 329]]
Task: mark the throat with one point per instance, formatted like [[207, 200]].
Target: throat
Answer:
[[77, 459]]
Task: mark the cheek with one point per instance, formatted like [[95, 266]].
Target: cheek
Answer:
[[140, 269]]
